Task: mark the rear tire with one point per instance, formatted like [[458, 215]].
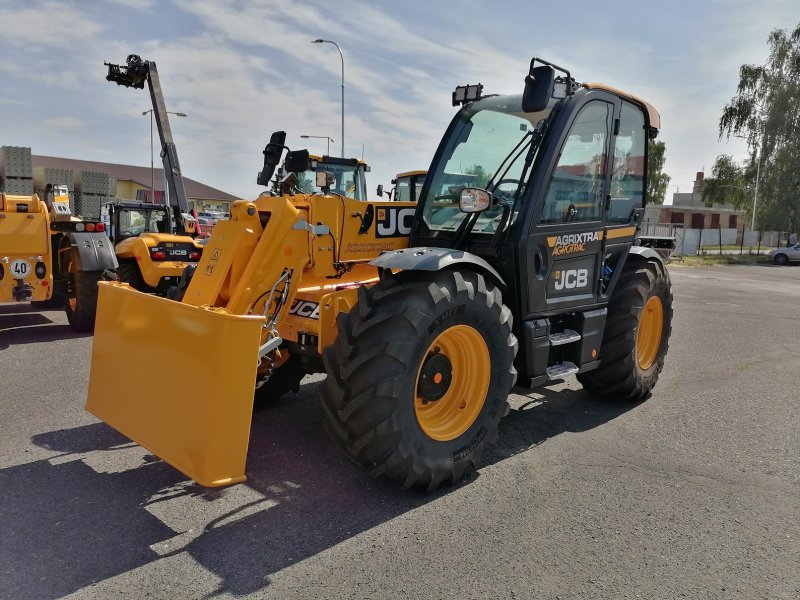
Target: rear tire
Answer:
[[81, 300], [637, 333], [128, 272], [781, 259], [419, 376]]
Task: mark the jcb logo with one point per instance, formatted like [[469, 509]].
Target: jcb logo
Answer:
[[303, 308], [394, 222], [571, 279]]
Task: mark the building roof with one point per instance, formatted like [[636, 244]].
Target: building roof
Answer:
[[140, 175]]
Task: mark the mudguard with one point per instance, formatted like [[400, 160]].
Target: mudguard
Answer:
[[432, 259], [95, 251], [645, 252]]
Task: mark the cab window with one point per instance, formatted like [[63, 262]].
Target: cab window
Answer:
[[576, 190], [628, 175]]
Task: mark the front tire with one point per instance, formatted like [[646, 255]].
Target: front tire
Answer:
[[637, 333], [781, 260], [419, 376], [284, 379]]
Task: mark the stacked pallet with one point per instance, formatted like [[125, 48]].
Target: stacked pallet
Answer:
[[42, 176], [16, 170], [92, 190], [146, 196]]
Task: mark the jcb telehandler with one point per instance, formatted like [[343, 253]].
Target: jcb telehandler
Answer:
[[154, 259], [423, 316], [49, 257]]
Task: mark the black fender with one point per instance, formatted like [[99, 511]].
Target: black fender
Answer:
[[645, 252], [433, 259], [94, 251]]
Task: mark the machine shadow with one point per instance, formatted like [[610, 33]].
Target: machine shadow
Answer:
[[24, 324], [68, 526]]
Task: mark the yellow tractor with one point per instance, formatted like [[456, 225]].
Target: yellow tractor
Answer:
[[424, 316], [50, 258], [153, 243]]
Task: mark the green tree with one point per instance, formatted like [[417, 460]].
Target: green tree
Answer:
[[765, 111], [728, 184], [657, 180], [481, 176]]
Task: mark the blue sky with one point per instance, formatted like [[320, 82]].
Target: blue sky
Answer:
[[242, 69]]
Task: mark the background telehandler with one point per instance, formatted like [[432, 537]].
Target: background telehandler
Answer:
[[49, 257], [153, 260], [423, 316]]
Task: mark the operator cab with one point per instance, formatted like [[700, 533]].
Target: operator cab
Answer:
[[125, 220], [548, 186], [349, 176]]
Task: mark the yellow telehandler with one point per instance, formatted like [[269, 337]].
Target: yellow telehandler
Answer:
[[423, 316], [48, 257]]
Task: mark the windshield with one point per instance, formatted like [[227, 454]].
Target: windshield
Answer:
[[486, 149], [134, 222], [349, 180]]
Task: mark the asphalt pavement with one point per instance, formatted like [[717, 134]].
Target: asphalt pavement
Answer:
[[694, 493]]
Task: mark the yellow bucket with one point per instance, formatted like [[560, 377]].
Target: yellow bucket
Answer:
[[176, 379]]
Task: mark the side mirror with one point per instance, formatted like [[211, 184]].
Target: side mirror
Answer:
[[296, 161], [538, 88], [473, 200], [380, 190]]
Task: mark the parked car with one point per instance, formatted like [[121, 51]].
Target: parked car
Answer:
[[784, 256], [204, 227]]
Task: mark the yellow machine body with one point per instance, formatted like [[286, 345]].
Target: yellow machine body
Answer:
[[138, 248], [25, 248], [280, 267]]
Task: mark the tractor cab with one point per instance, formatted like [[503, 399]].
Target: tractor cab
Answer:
[[407, 186], [125, 220], [348, 174]]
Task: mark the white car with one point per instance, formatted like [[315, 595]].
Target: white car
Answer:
[[784, 256]]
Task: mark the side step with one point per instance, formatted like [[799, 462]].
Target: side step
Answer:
[[565, 337], [561, 370]]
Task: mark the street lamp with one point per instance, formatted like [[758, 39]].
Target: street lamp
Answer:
[[152, 169], [322, 137], [321, 41]]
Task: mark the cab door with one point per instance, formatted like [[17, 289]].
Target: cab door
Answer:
[[565, 243]]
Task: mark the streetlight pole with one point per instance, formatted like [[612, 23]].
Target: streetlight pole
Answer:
[[321, 41], [321, 137], [152, 168]]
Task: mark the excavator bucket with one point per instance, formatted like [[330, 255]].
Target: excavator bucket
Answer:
[[186, 390]]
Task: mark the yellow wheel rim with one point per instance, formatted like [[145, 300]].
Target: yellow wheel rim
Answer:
[[648, 339], [455, 411]]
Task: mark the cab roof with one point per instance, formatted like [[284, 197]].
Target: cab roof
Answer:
[[652, 114]]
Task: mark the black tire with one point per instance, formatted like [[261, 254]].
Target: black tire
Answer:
[[81, 302], [128, 272], [620, 376], [781, 259], [370, 396], [283, 380]]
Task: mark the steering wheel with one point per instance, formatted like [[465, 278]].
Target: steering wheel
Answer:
[[506, 194]]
